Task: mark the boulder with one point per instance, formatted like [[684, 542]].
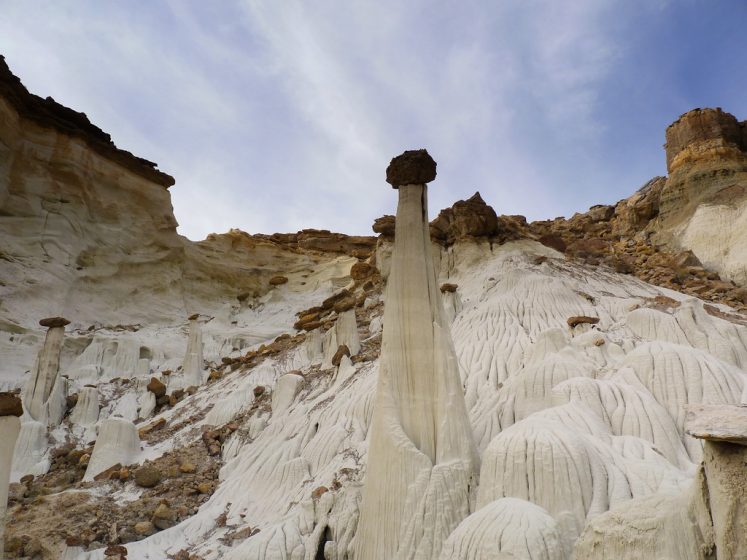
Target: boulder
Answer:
[[52, 322], [342, 350], [157, 387], [10, 405], [164, 517], [582, 320], [466, 218], [553, 241], [384, 226], [412, 167], [361, 271], [147, 476], [278, 280], [685, 259]]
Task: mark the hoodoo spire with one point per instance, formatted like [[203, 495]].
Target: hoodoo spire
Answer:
[[421, 457]]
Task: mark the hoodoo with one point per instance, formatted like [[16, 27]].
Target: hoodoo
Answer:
[[45, 391], [421, 458]]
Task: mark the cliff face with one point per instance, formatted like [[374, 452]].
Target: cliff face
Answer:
[[87, 231], [703, 206]]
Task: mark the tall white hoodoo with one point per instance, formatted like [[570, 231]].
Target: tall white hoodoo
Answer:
[[45, 391], [422, 460]]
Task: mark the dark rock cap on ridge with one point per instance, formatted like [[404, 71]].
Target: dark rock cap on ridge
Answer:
[[51, 322], [10, 405], [412, 167]]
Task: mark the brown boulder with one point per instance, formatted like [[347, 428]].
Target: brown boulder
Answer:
[[553, 241], [687, 258], [342, 350], [278, 280], [329, 303], [147, 476], [601, 213], [466, 218], [156, 387], [448, 288], [361, 271], [384, 225], [345, 304], [115, 550], [412, 167], [590, 247], [10, 405], [581, 320], [52, 322]]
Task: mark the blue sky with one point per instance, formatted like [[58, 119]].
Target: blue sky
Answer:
[[281, 115]]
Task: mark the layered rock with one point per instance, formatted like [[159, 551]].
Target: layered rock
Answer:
[[703, 205], [421, 455], [90, 234]]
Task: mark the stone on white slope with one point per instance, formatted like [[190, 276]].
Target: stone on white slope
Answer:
[[421, 456], [506, 528], [118, 442]]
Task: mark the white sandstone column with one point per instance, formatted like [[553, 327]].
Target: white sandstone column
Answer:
[[10, 425], [421, 456], [192, 365], [118, 442], [45, 388]]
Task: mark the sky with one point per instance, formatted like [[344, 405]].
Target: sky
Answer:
[[274, 116]]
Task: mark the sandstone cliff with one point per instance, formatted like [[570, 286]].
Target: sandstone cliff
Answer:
[[87, 231]]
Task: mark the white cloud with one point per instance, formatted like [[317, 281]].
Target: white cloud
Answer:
[[283, 115]]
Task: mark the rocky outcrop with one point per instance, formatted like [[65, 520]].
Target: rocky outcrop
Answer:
[[466, 219], [412, 167], [47, 113], [700, 130], [703, 205]]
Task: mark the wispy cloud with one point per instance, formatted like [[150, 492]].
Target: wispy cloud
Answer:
[[275, 116]]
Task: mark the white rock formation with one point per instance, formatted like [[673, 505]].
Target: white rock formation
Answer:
[[45, 391], [9, 428], [285, 391], [192, 367], [345, 331], [118, 442], [31, 451], [506, 528], [422, 459], [86, 411]]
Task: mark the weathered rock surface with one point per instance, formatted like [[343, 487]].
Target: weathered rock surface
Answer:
[[412, 167], [717, 423], [10, 405]]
